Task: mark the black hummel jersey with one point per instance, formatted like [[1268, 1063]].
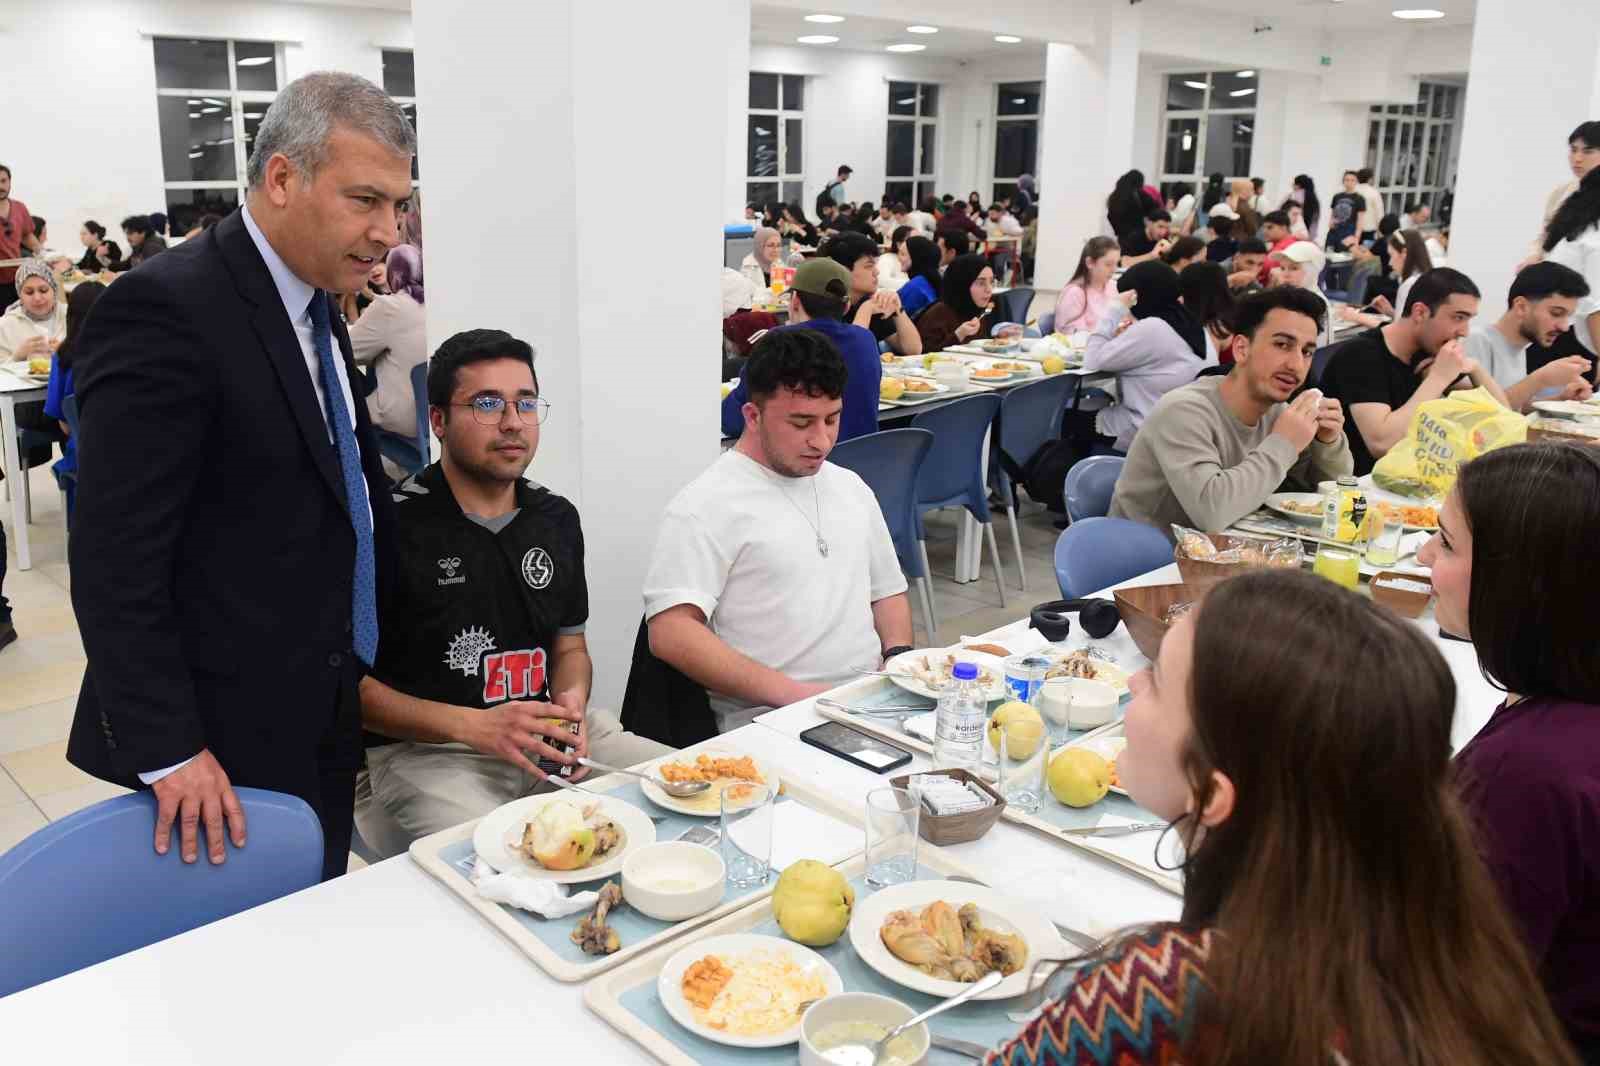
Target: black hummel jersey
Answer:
[[476, 611]]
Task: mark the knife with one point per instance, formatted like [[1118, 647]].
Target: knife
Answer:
[[976, 1052], [1114, 830]]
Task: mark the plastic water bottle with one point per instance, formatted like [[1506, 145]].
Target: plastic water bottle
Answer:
[[962, 714]]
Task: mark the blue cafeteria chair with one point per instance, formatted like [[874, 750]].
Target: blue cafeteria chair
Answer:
[[890, 462], [1030, 415], [1047, 323], [1097, 553], [411, 454], [953, 474], [90, 887], [1012, 305], [1089, 486]]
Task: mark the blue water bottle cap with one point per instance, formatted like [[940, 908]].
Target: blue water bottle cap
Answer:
[[965, 672]]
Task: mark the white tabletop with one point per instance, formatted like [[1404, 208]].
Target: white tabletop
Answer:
[[386, 965]]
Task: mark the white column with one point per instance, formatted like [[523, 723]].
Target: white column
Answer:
[[735, 39], [1087, 140], [570, 114], [1514, 130]]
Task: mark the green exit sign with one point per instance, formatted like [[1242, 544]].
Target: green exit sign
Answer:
[[1327, 61]]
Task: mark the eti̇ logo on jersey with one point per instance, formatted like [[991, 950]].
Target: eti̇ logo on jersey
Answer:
[[537, 569], [450, 565], [513, 675]]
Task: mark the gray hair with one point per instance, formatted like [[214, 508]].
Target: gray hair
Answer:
[[304, 115]]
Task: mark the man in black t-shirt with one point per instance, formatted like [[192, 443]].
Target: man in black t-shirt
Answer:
[[870, 308], [1344, 214], [1149, 243], [483, 667], [1385, 374]]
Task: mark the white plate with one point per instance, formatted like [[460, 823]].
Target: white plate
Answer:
[[1276, 502], [901, 664], [997, 911], [1105, 670], [656, 795], [669, 984], [498, 832], [1567, 408]]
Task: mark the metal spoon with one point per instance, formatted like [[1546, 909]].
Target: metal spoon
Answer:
[[885, 711], [679, 790], [861, 1054]]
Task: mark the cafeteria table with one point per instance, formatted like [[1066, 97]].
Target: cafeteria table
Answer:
[[14, 390], [387, 965]]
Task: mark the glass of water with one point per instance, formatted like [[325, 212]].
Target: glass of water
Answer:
[[1024, 757], [747, 815], [893, 817]]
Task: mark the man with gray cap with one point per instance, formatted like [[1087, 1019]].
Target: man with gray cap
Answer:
[[821, 291], [233, 517]]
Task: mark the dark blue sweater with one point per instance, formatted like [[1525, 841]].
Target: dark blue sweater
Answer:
[[865, 368]]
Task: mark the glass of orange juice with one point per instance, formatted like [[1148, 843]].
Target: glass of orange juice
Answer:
[[1339, 565]]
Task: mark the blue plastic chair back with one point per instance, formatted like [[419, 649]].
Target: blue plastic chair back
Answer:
[[1321, 358], [1097, 553], [410, 453], [1031, 414], [91, 887], [1047, 323], [890, 461], [1012, 305], [1089, 486], [953, 472]]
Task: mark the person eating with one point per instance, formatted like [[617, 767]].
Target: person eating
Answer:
[[1295, 738], [1511, 532], [1089, 292], [964, 311], [33, 327]]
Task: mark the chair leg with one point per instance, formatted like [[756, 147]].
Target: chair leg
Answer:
[[994, 557], [922, 546], [27, 491], [66, 522], [1016, 545], [924, 586]]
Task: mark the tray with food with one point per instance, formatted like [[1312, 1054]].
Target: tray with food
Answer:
[[738, 990], [909, 391], [613, 839]]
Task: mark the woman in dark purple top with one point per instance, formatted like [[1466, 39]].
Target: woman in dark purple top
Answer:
[[1510, 568]]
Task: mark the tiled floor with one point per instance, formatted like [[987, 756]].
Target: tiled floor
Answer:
[[41, 672]]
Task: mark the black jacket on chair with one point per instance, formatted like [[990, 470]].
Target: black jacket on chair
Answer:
[[212, 553], [663, 703]]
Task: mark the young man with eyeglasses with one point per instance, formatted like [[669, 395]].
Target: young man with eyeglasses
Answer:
[[16, 231], [481, 688]]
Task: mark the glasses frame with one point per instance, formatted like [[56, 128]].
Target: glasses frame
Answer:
[[540, 412]]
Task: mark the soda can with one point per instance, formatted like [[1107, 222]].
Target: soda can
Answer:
[[1025, 676]]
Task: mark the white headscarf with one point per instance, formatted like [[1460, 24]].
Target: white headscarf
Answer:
[[35, 268]]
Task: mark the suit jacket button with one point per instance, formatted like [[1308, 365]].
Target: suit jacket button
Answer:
[[335, 660]]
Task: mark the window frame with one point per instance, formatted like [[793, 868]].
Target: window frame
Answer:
[[1419, 120], [1195, 182], [405, 101], [1037, 120], [236, 100], [920, 124], [781, 116]]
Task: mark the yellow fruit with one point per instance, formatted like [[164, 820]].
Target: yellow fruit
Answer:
[[1054, 364], [725, 390], [561, 839], [1024, 729], [1079, 777], [812, 903], [928, 361], [891, 389]]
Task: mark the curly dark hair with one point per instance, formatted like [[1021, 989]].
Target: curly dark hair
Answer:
[[799, 359]]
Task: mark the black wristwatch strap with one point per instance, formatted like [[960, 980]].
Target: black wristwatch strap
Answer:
[[898, 649]]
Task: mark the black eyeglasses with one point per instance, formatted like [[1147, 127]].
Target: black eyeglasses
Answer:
[[491, 410]]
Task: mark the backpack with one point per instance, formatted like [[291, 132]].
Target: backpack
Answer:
[[1044, 474]]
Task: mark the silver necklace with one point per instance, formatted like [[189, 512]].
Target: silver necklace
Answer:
[[816, 527]]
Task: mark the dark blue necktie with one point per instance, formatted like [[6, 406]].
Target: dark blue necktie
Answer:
[[363, 590]]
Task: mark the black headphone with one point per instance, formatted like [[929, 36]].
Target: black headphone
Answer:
[[1098, 618]]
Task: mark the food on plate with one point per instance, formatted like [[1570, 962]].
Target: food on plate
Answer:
[[755, 995], [711, 768], [1412, 514], [951, 945], [888, 358], [989, 649], [1053, 364], [1001, 345], [39, 365], [990, 373], [891, 389], [901, 1051], [1079, 777], [1024, 729], [812, 903], [1082, 664], [564, 836], [914, 385], [935, 672], [592, 935], [1000, 364], [1304, 507], [934, 357]]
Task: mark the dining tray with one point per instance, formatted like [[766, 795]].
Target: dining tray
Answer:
[[627, 997], [449, 855]]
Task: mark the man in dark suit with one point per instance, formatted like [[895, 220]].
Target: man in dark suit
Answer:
[[233, 516]]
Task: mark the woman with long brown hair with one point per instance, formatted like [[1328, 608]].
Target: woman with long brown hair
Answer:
[[1511, 535], [1089, 293], [1335, 909]]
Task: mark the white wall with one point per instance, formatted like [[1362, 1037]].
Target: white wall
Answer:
[[92, 147]]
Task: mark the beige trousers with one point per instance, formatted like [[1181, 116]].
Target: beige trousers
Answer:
[[410, 790]]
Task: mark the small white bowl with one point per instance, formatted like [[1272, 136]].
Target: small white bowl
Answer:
[[858, 1007], [1078, 702], [673, 880]]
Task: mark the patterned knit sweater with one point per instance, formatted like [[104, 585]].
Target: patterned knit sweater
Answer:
[[1135, 1008]]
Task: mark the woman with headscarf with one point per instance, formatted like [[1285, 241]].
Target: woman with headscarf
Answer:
[[757, 266], [32, 328], [965, 302], [391, 338], [1150, 341], [921, 264], [1301, 265]]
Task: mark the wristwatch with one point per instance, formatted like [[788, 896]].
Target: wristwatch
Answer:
[[890, 653]]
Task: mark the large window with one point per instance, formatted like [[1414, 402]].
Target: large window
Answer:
[[1018, 106], [1410, 147], [774, 157], [400, 82], [211, 97], [913, 138], [1210, 124]]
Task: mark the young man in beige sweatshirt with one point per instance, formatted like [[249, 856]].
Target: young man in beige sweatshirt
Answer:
[[1213, 451]]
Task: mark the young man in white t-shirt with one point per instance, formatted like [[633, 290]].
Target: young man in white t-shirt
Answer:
[[773, 577], [1539, 309]]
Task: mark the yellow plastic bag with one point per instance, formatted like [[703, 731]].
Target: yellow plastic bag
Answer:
[[1443, 434]]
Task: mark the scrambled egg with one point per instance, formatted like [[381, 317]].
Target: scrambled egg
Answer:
[[760, 997]]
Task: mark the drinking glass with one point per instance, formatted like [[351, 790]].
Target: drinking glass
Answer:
[[1383, 549], [893, 816], [1342, 566], [747, 816], [1024, 754]]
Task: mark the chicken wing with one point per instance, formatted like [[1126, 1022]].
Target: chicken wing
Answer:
[[941, 922], [902, 933]]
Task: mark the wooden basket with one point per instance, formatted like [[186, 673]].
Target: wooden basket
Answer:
[[940, 830], [1144, 612], [1201, 575], [1403, 602]]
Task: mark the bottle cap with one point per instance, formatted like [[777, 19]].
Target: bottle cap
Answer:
[[965, 672]]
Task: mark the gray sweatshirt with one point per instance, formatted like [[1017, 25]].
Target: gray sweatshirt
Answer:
[[1196, 464]]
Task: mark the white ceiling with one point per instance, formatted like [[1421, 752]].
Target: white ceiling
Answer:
[[1329, 14], [780, 26]]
